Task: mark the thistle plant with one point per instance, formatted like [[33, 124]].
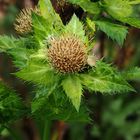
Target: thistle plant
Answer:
[[55, 58], [23, 24]]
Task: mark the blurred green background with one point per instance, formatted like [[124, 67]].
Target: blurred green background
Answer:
[[113, 117]]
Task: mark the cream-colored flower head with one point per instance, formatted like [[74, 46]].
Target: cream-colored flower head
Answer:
[[23, 24], [67, 54]]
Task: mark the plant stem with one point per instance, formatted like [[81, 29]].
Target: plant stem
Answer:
[[47, 130]]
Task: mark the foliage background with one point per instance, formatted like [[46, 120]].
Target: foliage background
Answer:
[[114, 117]]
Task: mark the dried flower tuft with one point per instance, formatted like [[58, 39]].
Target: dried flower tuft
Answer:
[[62, 3], [23, 23], [67, 54]]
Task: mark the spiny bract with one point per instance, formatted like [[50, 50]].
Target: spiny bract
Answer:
[[23, 23], [67, 54]]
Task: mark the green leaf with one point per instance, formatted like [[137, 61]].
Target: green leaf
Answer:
[[75, 27], [91, 24], [19, 49], [40, 54], [87, 6], [122, 10], [53, 19], [57, 107], [114, 31], [105, 79], [104, 85], [73, 89], [37, 72], [46, 8], [134, 2], [38, 103], [47, 11], [11, 105], [42, 27], [20, 56], [90, 32], [7, 43], [132, 74], [118, 8], [131, 21]]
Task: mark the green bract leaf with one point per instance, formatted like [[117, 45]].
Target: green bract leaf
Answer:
[[75, 27], [19, 56], [118, 8], [134, 2], [19, 49], [91, 24], [37, 72], [42, 27], [132, 74], [53, 19], [73, 88], [87, 6], [7, 43], [131, 21], [105, 79], [39, 55], [57, 106], [105, 85], [114, 31], [11, 105], [48, 12], [122, 11], [46, 8]]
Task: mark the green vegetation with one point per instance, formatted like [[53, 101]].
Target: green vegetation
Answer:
[[53, 57]]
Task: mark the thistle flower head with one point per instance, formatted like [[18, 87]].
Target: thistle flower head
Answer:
[[23, 23], [67, 54]]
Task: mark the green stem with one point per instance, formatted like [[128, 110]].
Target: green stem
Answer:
[[47, 130]]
